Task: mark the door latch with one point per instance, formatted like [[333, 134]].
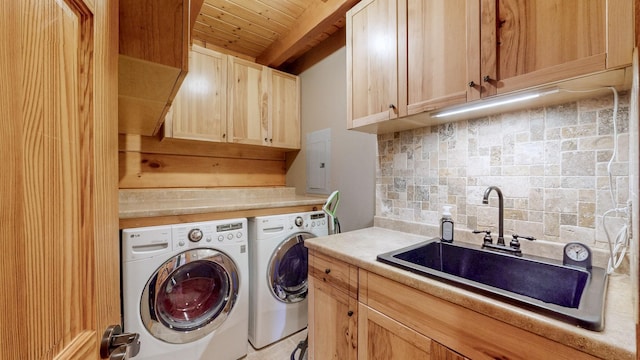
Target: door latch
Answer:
[[116, 345]]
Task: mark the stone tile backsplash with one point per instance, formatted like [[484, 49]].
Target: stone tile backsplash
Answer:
[[550, 163]]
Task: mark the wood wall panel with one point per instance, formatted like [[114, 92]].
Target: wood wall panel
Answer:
[[148, 162], [144, 170]]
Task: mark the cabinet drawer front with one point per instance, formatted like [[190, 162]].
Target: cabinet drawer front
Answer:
[[335, 273]]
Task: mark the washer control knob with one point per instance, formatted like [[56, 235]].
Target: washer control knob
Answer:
[[230, 236], [299, 221], [180, 243], [239, 234], [313, 224], [195, 235], [220, 237]]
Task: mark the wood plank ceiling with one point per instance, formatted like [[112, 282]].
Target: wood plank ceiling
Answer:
[[272, 32]]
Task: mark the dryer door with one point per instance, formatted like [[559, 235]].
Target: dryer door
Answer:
[[189, 296], [287, 269]]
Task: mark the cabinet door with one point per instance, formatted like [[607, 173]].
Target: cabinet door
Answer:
[[199, 111], [380, 337], [284, 110], [248, 116], [533, 42], [442, 50], [333, 318], [372, 63]]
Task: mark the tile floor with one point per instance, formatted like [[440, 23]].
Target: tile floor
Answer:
[[279, 351]]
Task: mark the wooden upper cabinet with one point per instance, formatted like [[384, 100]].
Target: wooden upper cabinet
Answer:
[[525, 43], [199, 111], [263, 105], [154, 39], [372, 62], [408, 57], [247, 100], [412, 57], [284, 109], [440, 47]]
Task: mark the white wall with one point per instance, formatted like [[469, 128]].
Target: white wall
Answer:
[[353, 154]]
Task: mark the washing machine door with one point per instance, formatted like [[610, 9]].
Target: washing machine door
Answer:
[[288, 268], [190, 295]]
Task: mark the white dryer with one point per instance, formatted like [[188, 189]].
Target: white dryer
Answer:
[[278, 273], [185, 289]]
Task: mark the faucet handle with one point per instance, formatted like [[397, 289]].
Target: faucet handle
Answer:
[[487, 236], [515, 244]]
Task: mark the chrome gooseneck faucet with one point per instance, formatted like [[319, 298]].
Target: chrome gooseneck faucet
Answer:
[[485, 200]]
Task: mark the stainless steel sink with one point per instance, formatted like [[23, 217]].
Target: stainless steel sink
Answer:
[[570, 294]]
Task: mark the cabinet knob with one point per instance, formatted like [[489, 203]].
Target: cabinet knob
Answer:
[[326, 271], [270, 140], [391, 106], [486, 78], [472, 84], [224, 136], [265, 139], [350, 313]]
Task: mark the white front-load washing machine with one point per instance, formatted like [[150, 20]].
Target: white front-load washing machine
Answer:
[[278, 273], [185, 289]]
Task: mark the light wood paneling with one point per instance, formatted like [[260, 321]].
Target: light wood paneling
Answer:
[[147, 162], [59, 187], [152, 145], [275, 32], [142, 170], [317, 17]]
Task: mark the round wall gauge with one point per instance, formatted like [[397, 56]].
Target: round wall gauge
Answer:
[[577, 254]]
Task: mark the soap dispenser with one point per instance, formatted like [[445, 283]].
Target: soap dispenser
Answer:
[[446, 225]]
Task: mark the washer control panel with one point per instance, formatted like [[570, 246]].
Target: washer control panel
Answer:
[[311, 221], [209, 233]]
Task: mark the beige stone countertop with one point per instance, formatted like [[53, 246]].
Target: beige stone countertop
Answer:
[[139, 203], [616, 341]]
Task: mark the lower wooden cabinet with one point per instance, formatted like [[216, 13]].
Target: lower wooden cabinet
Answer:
[[380, 337], [334, 325], [333, 309], [356, 314]]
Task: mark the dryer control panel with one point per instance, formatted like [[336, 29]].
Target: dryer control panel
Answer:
[[209, 233]]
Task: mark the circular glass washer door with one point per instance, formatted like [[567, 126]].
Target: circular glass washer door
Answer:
[[288, 268], [190, 295]]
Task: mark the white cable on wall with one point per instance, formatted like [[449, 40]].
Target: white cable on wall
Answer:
[[617, 249]]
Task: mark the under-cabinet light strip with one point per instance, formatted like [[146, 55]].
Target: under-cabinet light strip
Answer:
[[494, 103]]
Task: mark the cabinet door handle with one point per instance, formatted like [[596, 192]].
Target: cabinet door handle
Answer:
[[486, 78], [472, 84], [350, 313], [326, 271]]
